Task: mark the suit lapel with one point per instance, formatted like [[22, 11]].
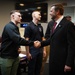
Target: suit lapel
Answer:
[[58, 27]]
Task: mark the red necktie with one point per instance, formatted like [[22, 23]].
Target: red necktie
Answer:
[[54, 27]]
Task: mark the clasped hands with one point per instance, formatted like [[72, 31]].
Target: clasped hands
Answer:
[[37, 44]]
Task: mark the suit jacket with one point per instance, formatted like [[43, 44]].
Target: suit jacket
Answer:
[[0, 39], [62, 49]]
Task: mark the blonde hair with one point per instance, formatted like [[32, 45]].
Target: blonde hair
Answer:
[[34, 12]]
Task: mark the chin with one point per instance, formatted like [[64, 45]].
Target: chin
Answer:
[[53, 18], [18, 22], [39, 19]]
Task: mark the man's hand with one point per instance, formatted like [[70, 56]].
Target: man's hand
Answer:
[[67, 68], [19, 50], [37, 44], [44, 53], [29, 56]]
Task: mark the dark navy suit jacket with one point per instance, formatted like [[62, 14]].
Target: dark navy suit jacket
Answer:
[[62, 46]]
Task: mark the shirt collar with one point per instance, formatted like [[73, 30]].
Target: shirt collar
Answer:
[[13, 24], [58, 21]]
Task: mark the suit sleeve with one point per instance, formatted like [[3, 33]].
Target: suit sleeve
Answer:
[[71, 44], [45, 42]]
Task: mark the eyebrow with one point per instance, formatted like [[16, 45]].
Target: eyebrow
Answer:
[[20, 15]]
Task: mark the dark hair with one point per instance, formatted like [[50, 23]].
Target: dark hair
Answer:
[[68, 16], [13, 11], [59, 7]]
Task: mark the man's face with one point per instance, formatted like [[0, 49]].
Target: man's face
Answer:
[[53, 13], [17, 17], [68, 18], [37, 15]]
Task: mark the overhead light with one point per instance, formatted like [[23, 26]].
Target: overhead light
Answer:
[[21, 4], [26, 9], [38, 7], [45, 13]]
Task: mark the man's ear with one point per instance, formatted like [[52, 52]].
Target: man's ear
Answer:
[[12, 15], [57, 12]]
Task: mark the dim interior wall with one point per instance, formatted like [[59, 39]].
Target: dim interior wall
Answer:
[[23, 48], [5, 7]]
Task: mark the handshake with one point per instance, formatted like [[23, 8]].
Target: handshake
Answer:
[[37, 44]]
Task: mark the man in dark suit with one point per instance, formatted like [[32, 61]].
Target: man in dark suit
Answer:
[[62, 42], [0, 49], [0, 39]]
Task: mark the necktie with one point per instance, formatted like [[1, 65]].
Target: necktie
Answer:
[[54, 27]]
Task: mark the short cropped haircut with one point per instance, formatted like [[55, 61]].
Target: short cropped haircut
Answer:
[[13, 11], [35, 11]]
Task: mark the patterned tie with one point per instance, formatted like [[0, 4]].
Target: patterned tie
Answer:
[[54, 26]]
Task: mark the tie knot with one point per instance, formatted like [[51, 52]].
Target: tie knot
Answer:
[[55, 23]]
